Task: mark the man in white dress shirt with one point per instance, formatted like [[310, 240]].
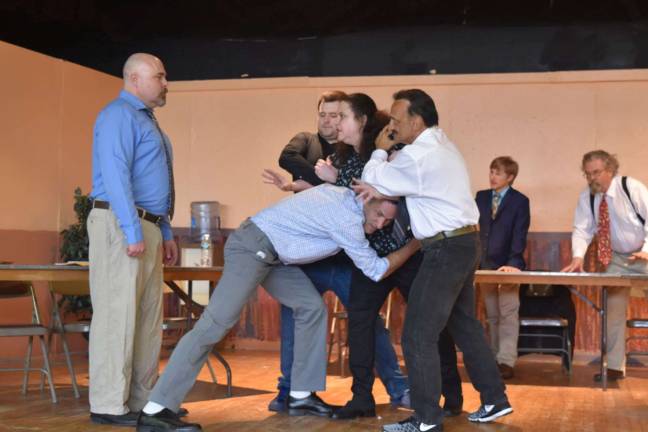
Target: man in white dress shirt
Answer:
[[614, 208], [431, 174]]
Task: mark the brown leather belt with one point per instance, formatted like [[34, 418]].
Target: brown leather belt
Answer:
[[105, 205], [449, 234]]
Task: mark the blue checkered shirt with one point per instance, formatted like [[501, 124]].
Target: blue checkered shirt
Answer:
[[317, 223]]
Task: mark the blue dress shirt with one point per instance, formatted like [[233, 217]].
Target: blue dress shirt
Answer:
[[317, 223], [129, 167]]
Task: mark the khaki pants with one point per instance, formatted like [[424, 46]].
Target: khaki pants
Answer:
[[617, 307], [126, 330], [502, 303]]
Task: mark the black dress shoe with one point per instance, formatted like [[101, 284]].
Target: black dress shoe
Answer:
[[349, 412], [279, 403], [311, 405], [164, 421], [128, 419], [612, 375], [452, 411]]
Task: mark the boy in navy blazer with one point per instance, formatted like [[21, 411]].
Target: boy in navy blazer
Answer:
[[504, 218]]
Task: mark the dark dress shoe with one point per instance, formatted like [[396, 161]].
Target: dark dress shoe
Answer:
[[279, 403], [311, 405], [612, 375], [128, 419], [349, 412], [452, 410], [164, 421], [506, 371]]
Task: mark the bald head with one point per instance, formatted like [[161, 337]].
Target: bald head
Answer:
[[145, 77]]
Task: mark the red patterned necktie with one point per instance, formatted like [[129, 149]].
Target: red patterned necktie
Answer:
[[604, 250]]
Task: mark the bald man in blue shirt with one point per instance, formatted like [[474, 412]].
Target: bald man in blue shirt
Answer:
[[130, 238]]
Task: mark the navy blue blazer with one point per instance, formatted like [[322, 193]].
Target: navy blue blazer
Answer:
[[504, 238]]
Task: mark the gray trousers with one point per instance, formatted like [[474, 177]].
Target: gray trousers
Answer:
[[250, 260], [617, 306]]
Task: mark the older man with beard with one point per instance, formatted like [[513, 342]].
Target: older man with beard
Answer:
[[615, 208]]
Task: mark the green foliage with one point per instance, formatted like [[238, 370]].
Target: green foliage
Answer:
[[74, 247]]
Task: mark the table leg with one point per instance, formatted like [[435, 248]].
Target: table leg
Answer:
[[604, 363]]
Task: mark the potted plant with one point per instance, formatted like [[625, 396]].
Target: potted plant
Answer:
[[74, 247]]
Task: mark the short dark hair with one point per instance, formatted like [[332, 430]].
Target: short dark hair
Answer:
[[420, 104], [610, 160], [331, 96], [507, 164]]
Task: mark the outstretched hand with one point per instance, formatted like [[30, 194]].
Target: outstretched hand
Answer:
[[273, 177]]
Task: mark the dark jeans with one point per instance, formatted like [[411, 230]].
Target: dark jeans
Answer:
[[443, 295], [334, 274], [367, 297]]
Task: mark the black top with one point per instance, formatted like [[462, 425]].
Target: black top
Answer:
[[301, 153], [382, 240]]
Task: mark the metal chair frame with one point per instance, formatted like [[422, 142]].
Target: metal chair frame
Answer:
[[35, 328], [637, 323], [564, 351]]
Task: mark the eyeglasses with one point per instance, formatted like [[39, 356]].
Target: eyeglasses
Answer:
[[593, 174]]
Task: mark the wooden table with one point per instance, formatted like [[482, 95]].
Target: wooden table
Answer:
[[46, 273], [602, 280], [33, 273]]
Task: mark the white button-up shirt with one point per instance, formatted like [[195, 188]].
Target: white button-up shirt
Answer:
[[627, 234], [432, 175]]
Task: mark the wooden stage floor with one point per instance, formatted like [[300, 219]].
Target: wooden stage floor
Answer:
[[543, 400]]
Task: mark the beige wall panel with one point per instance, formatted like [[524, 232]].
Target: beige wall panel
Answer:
[[545, 121], [46, 120]]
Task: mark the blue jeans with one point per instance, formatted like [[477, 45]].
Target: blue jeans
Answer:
[[334, 274]]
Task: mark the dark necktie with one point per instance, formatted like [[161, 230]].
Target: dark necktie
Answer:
[[604, 249], [167, 153], [401, 228]]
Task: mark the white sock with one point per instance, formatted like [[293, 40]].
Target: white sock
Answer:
[[424, 427], [299, 394], [153, 408]]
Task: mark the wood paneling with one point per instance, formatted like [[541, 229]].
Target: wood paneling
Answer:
[[545, 251]]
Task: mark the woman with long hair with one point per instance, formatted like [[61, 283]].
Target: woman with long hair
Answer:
[[359, 125]]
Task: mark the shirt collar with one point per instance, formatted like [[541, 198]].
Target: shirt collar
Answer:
[[502, 192], [133, 100], [614, 187]]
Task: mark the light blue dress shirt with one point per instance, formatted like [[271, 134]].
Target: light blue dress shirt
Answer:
[[317, 223], [129, 167], [501, 193]]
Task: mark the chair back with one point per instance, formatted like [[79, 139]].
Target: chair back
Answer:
[[72, 288], [10, 289]]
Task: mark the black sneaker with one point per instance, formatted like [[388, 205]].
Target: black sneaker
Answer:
[[488, 413], [412, 425]]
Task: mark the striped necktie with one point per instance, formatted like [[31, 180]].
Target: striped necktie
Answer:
[[167, 153], [495, 204]]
